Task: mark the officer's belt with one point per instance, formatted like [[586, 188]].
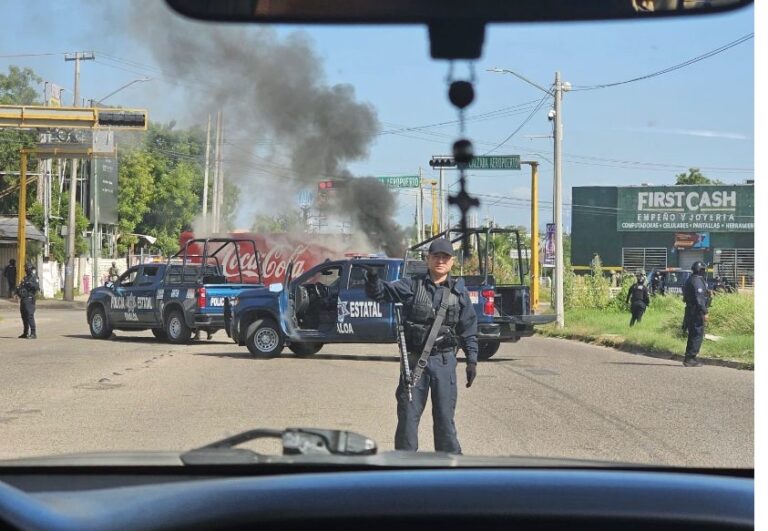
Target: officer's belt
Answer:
[[446, 300]]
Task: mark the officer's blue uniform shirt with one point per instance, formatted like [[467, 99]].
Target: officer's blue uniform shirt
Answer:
[[403, 290]]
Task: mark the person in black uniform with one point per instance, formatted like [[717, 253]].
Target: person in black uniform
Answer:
[[10, 276], [696, 297], [27, 291], [423, 297], [638, 299]]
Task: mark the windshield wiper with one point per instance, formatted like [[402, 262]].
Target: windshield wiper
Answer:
[[296, 441]]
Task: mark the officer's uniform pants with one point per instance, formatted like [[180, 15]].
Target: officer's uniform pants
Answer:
[[695, 334], [439, 377], [27, 307], [638, 309]]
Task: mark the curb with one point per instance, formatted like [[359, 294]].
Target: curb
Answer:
[[635, 349], [11, 306]]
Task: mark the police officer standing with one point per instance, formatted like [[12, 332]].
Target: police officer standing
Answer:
[[427, 299], [114, 273], [27, 290], [696, 298], [10, 276], [638, 299]]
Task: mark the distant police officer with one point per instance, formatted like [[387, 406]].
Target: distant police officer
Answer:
[[696, 298], [638, 299], [114, 273], [26, 291], [10, 276], [426, 300]]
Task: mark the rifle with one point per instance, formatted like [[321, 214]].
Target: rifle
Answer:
[[404, 365]]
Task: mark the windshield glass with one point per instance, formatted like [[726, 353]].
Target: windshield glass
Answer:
[[336, 142]]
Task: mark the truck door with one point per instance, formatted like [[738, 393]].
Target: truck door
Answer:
[[121, 303], [357, 314], [144, 289]]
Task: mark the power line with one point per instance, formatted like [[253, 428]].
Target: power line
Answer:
[[667, 70], [513, 133]]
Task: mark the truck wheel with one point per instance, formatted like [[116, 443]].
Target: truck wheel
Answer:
[[264, 338], [159, 333], [487, 349], [305, 349], [97, 321], [176, 328]]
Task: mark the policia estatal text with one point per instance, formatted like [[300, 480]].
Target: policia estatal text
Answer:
[[27, 291], [428, 299]]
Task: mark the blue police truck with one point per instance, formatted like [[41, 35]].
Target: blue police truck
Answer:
[[173, 299], [328, 304]]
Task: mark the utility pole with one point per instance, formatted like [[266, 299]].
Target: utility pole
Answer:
[[420, 211], [216, 164], [442, 201], [69, 270], [220, 195], [559, 258], [205, 175]]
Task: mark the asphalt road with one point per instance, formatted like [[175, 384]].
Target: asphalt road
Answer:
[[66, 392]]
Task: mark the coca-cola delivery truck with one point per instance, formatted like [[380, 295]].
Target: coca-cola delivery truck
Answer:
[[276, 251]]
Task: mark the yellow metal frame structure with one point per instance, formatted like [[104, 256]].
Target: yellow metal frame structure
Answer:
[[40, 117]]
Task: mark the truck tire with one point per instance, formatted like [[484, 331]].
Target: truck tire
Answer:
[[264, 338], [487, 349], [97, 322], [159, 333], [176, 329], [305, 349]]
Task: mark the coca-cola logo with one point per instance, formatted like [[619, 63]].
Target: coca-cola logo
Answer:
[[279, 256], [274, 262], [248, 263]]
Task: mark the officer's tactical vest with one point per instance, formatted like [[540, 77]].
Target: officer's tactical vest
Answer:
[[637, 293], [422, 315]]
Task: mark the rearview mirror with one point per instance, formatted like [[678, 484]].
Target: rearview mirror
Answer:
[[431, 11]]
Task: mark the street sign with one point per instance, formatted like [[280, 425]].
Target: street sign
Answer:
[[400, 181], [495, 162]]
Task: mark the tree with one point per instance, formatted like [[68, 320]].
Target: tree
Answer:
[[16, 88], [136, 186], [58, 243], [694, 176]]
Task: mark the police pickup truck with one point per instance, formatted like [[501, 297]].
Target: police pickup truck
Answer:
[[186, 294], [328, 304]]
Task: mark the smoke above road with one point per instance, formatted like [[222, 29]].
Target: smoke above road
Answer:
[[286, 127]]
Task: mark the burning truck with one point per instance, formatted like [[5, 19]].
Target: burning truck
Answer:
[[276, 251]]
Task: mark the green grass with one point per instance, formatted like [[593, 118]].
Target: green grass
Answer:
[[731, 318]]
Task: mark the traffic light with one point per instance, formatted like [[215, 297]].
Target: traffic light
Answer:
[[325, 185], [122, 119], [442, 162]]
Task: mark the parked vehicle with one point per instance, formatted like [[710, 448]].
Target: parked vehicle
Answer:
[[175, 299], [328, 304]]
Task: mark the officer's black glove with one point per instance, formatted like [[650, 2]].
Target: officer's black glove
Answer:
[[471, 373]]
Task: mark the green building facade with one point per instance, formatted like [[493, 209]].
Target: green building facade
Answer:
[[654, 227]]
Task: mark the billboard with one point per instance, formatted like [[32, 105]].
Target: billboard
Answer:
[[549, 246], [691, 240], [709, 208], [104, 190]]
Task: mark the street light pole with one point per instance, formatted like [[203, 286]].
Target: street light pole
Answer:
[[140, 80]]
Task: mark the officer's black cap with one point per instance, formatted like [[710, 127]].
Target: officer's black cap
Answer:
[[441, 245]]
